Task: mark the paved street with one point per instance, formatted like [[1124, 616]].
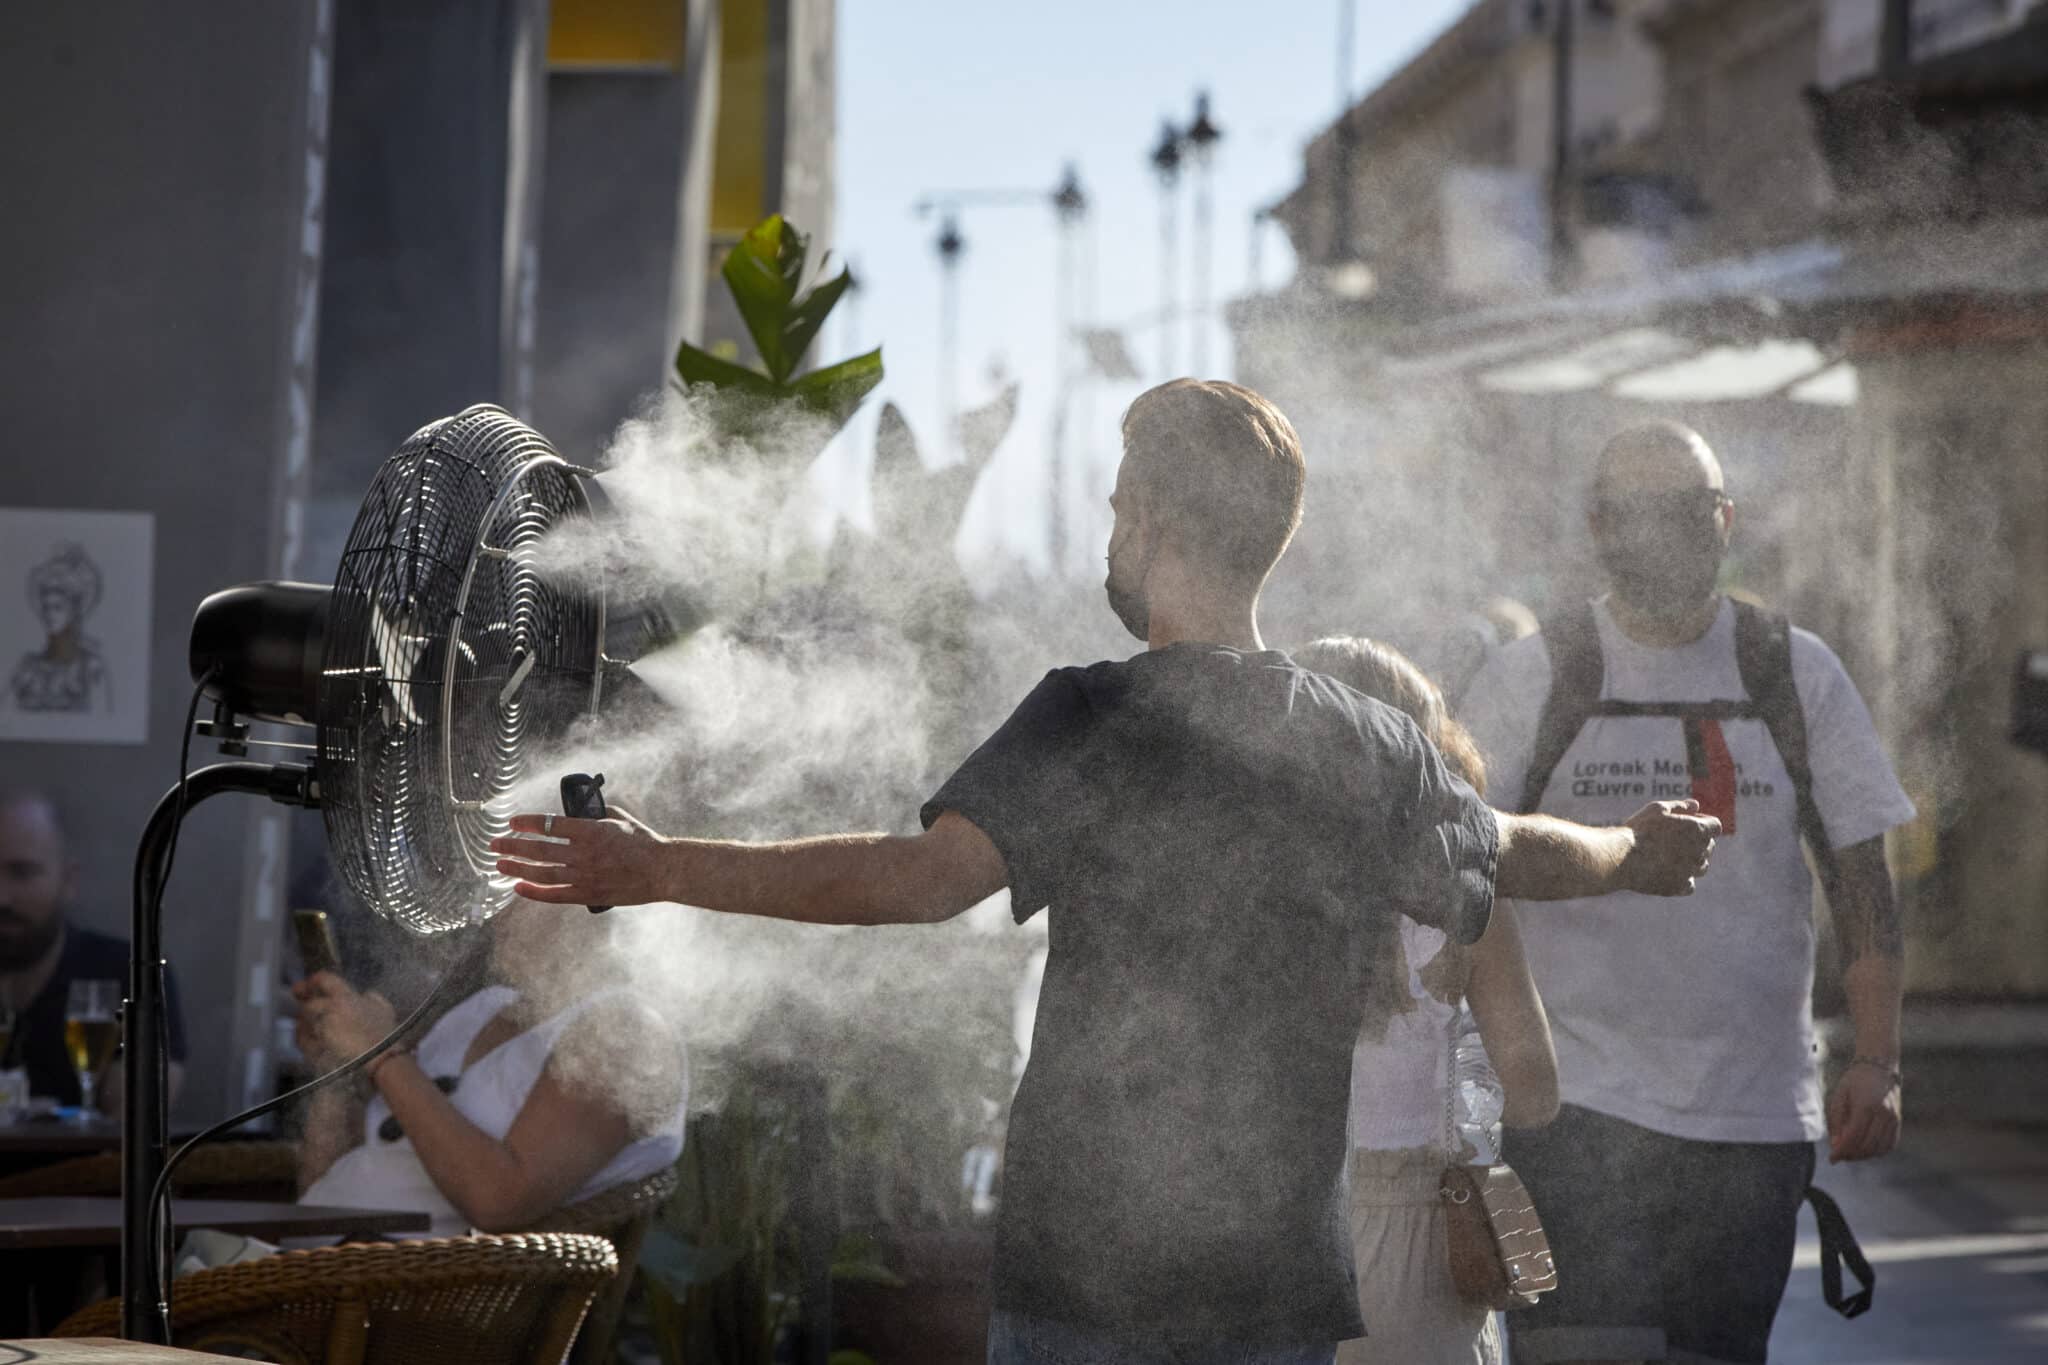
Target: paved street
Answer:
[[1956, 1223]]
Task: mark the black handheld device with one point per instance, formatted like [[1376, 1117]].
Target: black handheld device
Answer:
[[583, 799]]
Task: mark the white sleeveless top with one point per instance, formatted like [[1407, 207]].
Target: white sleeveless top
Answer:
[[490, 1094], [1400, 1083]]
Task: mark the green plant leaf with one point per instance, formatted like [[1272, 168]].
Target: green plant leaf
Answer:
[[763, 271], [837, 390], [800, 328], [697, 366]]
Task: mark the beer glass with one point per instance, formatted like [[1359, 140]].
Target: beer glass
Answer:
[[91, 1028]]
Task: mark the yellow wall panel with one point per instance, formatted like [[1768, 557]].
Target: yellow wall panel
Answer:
[[739, 173], [616, 34]]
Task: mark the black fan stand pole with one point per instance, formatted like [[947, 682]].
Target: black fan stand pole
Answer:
[[144, 1130]]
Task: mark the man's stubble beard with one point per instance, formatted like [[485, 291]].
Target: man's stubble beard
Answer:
[[1131, 610], [22, 944], [1129, 603], [1655, 586]]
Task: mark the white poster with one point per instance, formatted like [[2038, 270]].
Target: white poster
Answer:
[[75, 624]]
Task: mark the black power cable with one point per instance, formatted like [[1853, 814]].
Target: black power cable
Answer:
[[156, 912], [159, 1195], [156, 892]]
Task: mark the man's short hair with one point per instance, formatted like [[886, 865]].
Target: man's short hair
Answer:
[[37, 799], [1222, 468]]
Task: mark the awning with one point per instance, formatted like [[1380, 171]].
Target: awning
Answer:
[[1734, 330]]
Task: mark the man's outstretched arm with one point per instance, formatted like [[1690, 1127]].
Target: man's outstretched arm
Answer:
[[836, 879], [1661, 851]]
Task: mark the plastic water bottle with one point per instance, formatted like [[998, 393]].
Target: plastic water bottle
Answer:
[[978, 1178], [1476, 1094]]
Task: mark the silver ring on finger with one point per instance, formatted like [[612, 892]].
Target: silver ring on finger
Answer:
[[547, 825]]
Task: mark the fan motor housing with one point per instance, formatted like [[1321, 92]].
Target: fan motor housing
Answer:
[[262, 644]]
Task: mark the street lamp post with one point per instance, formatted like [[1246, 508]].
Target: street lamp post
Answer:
[[951, 246], [1202, 136], [1166, 158], [1070, 209], [1069, 203]]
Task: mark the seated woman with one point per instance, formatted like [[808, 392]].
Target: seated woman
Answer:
[[1401, 1133], [528, 1095]]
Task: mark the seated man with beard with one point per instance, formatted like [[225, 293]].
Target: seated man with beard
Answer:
[[44, 951]]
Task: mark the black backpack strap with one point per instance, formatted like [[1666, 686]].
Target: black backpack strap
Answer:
[[1838, 1245], [1677, 710], [1577, 671], [1763, 654]]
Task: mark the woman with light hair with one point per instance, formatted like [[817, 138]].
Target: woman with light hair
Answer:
[[1402, 1135]]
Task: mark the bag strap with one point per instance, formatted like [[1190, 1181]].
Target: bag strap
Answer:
[[1838, 1245], [1763, 655], [1682, 710], [1577, 671], [1451, 1152]]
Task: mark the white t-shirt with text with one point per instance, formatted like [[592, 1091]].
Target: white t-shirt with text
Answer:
[[1691, 1016]]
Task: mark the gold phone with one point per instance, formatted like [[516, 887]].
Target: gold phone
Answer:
[[316, 941]]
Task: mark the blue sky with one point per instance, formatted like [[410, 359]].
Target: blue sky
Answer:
[[943, 94]]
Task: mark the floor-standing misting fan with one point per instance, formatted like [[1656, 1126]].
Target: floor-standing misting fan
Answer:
[[432, 669]]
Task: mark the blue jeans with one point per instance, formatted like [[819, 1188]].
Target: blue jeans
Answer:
[[1025, 1339]]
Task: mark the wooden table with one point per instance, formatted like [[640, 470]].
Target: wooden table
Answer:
[[58, 1137], [97, 1351], [86, 1222], [35, 1145]]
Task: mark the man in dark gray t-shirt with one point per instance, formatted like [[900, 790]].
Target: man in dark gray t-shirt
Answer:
[[1223, 841]]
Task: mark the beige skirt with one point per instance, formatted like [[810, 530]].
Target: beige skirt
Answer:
[[1413, 1315]]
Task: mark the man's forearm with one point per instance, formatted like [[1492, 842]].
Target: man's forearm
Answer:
[[1872, 935], [1659, 852], [1873, 985], [836, 879], [1543, 858]]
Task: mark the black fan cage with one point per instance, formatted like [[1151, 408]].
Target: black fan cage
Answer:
[[449, 662]]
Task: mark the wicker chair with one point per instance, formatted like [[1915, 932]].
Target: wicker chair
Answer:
[[621, 1216], [514, 1300], [269, 1170], [218, 1170]]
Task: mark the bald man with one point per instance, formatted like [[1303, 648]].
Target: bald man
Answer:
[[42, 952], [1671, 1181]]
